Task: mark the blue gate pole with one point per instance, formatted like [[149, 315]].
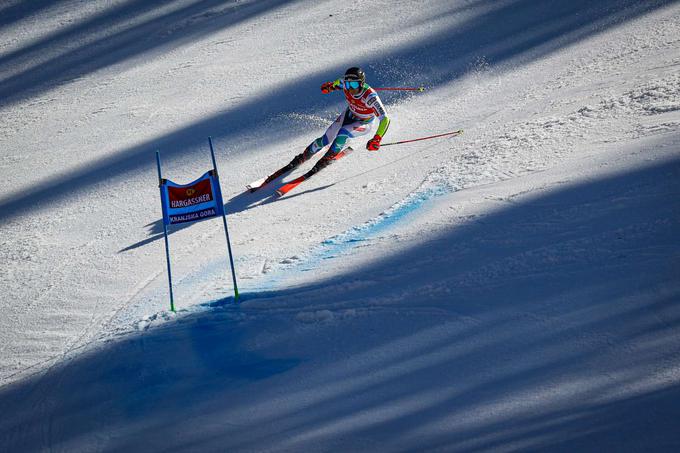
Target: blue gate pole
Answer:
[[224, 220], [165, 232]]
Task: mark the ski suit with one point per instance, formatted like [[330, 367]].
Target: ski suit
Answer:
[[354, 122]]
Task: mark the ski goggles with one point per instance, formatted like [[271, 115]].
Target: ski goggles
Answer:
[[352, 84]]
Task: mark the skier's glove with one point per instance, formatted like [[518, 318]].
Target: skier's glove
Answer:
[[374, 143], [327, 87]]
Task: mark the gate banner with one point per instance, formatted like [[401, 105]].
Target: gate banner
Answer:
[[198, 200]]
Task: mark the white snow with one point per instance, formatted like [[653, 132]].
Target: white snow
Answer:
[[515, 288]]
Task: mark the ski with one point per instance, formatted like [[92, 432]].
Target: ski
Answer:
[[253, 186], [284, 189]]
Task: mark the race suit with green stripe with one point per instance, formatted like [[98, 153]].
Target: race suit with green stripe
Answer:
[[355, 121]]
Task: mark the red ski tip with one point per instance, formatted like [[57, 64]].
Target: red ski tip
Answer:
[[284, 189]]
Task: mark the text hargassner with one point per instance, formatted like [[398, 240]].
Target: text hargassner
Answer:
[[191, 201]]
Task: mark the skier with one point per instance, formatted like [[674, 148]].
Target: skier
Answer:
[[364, 106]]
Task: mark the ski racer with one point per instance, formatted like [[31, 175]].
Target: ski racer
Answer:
[[364, 106]]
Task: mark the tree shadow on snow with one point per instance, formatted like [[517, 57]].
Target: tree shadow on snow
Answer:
[[552, 324], [11, 13], [130, 30]]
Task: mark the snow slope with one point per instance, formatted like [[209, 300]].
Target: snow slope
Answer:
[[513, 288]]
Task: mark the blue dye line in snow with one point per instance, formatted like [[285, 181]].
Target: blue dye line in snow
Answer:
[[345, 242]]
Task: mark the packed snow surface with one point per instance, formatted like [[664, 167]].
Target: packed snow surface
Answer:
[[513, 288]]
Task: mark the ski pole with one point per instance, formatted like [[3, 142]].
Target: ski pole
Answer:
[[453, 134], [421, 89]]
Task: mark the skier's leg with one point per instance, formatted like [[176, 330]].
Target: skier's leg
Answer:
[[309, 151], [319, 143], [300, 158], [350, 128], [336, 146], [324, 162]]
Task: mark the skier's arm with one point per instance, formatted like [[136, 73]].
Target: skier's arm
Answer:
[[383, 126], [379, 109]]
